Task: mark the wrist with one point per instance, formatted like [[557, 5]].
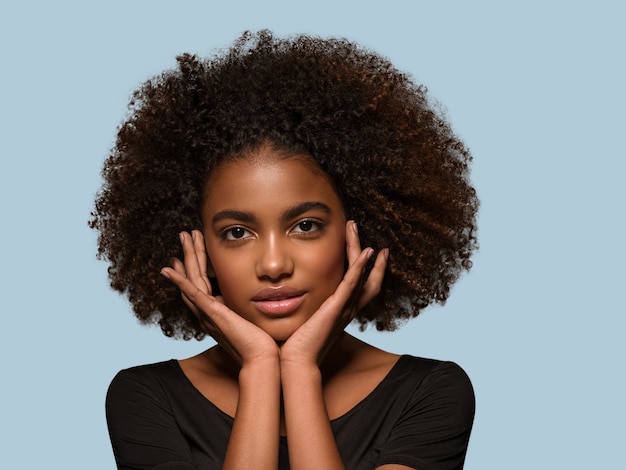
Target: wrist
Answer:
[[263, 357], [298, 358], [300, 373], [260, 367], [261, 378]]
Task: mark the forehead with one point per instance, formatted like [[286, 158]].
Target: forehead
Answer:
[[267, 180]]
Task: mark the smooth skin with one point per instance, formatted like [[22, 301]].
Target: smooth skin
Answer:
[[290, 373]]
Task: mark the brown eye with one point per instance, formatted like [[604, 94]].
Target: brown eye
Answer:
[[235, 233], [307, 226]]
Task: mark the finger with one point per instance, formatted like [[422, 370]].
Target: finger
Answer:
[[201, 256], [349, 284], [357, 268], [353, 243], [176, 274], [196, 298], [200, 249], [371, 287], [178, 266], [192, 264], [189, 254]]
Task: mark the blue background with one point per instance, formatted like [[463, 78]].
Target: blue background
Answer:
[[536, 89]]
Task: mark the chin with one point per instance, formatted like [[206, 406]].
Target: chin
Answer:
[[281, 336], [281, 331]]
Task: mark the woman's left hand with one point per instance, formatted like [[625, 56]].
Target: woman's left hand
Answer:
[[309, 343]]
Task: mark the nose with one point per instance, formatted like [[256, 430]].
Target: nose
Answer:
[[274, 261]]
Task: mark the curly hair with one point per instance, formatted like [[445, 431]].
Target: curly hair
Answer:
[[400, 171]]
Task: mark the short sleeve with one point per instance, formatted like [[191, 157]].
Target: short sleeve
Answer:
[[143, 430], [433, 431]]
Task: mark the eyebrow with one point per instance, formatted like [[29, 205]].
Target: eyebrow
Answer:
[[300, 209], [289, 214], [232, 214]]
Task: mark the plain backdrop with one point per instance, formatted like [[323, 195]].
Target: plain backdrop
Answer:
[[536, 89]]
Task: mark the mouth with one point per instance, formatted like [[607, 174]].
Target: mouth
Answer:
[[278, 301]]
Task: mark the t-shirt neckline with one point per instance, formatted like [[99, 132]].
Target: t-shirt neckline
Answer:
[[388, 377]]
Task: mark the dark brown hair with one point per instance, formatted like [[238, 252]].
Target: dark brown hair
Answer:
[[399, 169]]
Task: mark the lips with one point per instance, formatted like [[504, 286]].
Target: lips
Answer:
[[278, 301]]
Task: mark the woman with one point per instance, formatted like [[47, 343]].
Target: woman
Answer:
[[246, 183]]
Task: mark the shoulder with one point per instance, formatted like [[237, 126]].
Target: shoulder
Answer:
[[151, 380], [144, 395], [433, 376], [149, 409], [435, 413], [436, 387], [431, 370], [158, 371]]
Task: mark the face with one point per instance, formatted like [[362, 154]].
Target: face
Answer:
[[275, 235]]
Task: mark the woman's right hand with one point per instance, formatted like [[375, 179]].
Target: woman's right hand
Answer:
[[244, 341]]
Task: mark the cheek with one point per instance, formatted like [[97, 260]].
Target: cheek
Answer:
[[231, 282], [226, 269], [329, 262]]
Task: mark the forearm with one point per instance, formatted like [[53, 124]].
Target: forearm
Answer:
[[254, 438], [311, 441]]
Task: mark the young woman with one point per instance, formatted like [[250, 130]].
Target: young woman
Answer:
[[235, 203]]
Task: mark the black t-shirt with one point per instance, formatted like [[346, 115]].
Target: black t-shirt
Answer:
[[420, 416]]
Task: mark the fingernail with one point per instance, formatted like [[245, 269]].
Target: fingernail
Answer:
[[181, 235], [355, 227], [165, 274], [386, 254], [370, 252]]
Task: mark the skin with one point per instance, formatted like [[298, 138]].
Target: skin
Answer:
[[288, 373]]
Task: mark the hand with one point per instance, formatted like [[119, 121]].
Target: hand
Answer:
[[244, 341], [309, 343]]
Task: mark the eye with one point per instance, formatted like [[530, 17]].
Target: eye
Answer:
[[235, 233], [307, 226]]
